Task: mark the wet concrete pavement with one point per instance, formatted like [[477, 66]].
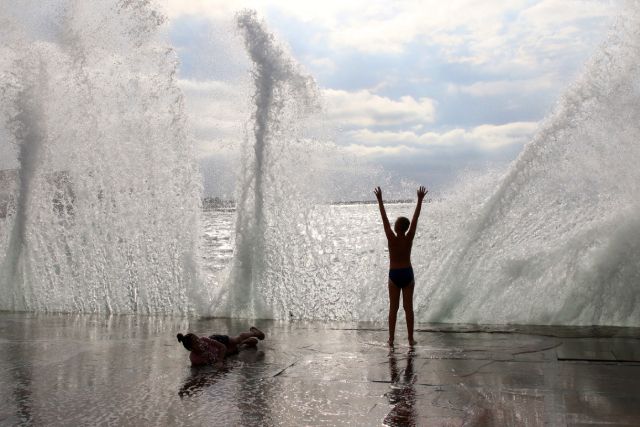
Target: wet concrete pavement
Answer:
[[130, 370]]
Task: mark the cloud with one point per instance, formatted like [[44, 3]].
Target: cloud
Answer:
[[470, 31], [507, 87], [217, 112], [391, 27], [321, 65], [484, 137], [216, 9], [439, 158], [393, 70], [547, 13], [327, 12], [366, 109], [378, 151]]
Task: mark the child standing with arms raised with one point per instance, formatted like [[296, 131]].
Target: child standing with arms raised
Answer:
[[400, 269]]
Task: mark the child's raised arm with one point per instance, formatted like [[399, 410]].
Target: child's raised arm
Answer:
[[385, 221], [414, 222]]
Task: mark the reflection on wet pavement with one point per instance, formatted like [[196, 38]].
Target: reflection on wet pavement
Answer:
[[402, 396], [128, 370]]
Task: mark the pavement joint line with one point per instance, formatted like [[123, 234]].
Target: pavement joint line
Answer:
[[475, 371], [310, 348], [281, 371], [539, 350], [526, 333], [494, 360], [623, 360], [599, 361]]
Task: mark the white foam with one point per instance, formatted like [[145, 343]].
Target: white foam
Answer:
[[106, 215]]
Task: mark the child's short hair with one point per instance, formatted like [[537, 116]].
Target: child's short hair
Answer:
[[402, 224]]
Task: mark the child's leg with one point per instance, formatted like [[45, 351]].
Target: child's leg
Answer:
[[407, 304], [253, 332], [394, 304], [257, 332], [250, 342]]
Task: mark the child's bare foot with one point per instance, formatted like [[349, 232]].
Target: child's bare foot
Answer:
[[258, 332], [250, 342], [412, 342], [390, 342]]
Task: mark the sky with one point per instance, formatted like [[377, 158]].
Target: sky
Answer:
[[427, 90]]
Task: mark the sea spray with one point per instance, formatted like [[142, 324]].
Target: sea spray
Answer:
[[551, 242], [292, 260], [556, 243], [27, 125], [107, 205], [284, 96], [104, 211]]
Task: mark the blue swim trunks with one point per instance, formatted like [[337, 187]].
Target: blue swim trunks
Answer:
[[401, 277]]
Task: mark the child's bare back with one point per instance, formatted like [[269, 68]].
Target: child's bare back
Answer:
[[401, 280], [400, 251]]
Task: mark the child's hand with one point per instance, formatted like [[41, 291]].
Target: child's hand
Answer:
[[422, 192], [378, 192]]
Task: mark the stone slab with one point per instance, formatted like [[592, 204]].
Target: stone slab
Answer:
[[130, 370]]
